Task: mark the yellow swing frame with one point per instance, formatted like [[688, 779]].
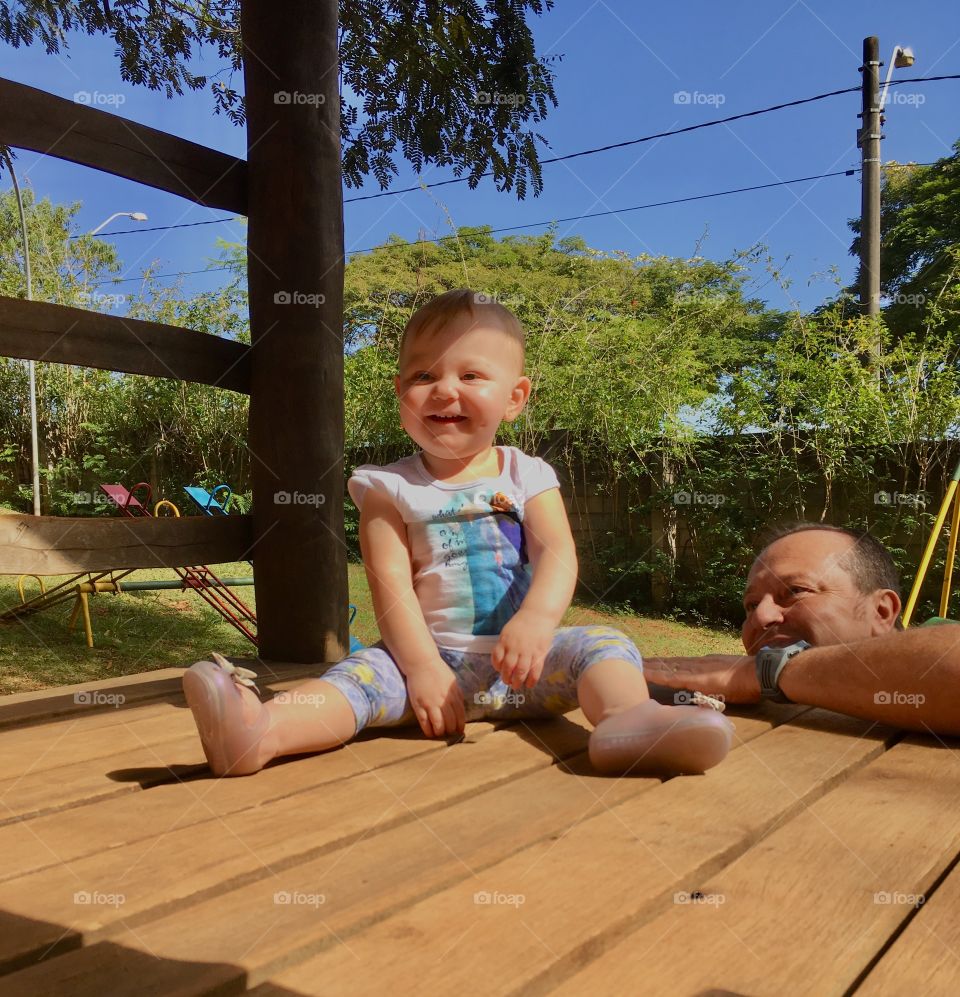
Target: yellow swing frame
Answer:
[[953, 498]]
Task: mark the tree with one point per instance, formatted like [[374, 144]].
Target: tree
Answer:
[[451, 82], [920, 239]]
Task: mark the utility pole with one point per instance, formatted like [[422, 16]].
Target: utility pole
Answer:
[[868, 138]]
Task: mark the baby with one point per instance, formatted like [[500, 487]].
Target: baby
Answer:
[[471, 566]]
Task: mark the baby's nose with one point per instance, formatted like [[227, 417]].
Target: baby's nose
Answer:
[[445, 387]]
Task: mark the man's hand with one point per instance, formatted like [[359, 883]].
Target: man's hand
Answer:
[[436, 699], [732, 676], [522, 648]]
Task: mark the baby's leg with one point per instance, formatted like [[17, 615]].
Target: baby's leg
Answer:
[[240, 734], [632, 732]]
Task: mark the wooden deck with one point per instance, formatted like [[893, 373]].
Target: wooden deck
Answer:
[[497, 865]]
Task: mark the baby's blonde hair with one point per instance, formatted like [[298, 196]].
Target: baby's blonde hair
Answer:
[[444, 308]]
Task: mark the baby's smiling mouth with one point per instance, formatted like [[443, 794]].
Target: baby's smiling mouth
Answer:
[[446, 418]]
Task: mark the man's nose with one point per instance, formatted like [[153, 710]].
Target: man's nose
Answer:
[[768, 612]]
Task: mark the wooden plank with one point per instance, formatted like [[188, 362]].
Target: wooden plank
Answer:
[[59, 545], [38, 330], [925, 959], [366, 880], [799, 914], [603, 876], [178, 867], [295, 278], [53, 126]]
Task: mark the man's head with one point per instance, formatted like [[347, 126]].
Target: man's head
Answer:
[[821, 584]]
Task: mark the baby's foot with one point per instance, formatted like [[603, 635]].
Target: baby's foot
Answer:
[[651, 739], [230, 718]]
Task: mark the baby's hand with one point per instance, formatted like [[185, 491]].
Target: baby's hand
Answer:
[[436, 699], [521, 650]]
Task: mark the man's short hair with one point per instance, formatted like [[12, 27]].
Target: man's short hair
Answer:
[[868, 562]]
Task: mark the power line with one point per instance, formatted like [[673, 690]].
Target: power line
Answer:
[[595, 214], [575, 155]]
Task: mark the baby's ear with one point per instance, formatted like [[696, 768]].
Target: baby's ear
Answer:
[[518, 398]]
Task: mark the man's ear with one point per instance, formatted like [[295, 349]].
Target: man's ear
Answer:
[[518, 398], [886, 611]]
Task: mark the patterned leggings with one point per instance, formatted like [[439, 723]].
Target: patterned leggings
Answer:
[[377, 692]]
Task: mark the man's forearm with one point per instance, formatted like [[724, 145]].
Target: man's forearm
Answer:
[[908, 679]]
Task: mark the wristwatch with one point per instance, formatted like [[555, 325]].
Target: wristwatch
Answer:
[[770, 663]]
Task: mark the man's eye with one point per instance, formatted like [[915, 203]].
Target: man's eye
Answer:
[[749, 607]]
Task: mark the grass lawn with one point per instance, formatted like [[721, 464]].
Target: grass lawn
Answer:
[[142, 631]]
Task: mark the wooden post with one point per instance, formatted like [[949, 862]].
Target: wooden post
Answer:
[[295, 270]]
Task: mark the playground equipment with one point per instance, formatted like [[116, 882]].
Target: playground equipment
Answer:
[[950, 497], [200, 579]]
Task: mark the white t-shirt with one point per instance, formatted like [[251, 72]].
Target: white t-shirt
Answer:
[[469, 558]]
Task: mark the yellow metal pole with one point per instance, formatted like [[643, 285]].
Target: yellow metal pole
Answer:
[[931, 545], [951, 555]]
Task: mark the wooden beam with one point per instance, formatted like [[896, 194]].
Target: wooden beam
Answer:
[[54, 545], [37, 330], [296, 317], [70, 129]]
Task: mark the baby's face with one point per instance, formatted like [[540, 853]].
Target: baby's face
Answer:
[[458, 384]]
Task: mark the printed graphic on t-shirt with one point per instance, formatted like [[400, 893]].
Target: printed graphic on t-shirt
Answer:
[[478, 537]]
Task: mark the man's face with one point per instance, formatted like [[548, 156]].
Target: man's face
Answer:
[[797, 589]]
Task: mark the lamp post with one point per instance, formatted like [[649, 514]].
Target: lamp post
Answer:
[[868, 139], [137, 216]]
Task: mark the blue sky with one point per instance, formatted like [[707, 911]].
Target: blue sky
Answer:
[[623, 64]]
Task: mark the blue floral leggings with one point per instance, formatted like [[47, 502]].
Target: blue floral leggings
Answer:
[[377, 692]]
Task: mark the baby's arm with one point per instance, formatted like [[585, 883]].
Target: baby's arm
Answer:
[[431, 686], [525, 640]]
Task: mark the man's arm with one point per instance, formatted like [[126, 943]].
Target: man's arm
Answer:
[[909, 679]]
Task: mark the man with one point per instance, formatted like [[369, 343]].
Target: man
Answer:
[[822, 628]]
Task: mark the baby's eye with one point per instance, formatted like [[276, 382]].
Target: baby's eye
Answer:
[[470, 376], [421, 375]]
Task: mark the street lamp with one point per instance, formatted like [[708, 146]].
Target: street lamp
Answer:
[[868, 139], [137, 216]]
